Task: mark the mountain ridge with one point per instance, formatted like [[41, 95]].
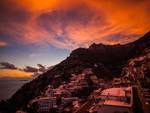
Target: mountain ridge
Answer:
[[105, 60]]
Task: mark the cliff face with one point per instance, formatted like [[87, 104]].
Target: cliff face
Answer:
[[112, 53], [105, 60], [112, 56]]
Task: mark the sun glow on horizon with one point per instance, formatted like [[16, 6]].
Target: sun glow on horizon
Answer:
[[15, 73]]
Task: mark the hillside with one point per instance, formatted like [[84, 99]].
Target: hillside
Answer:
[[106, 62]]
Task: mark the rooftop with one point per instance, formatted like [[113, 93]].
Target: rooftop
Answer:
[[116, 103], [115, 91], [118, 92]]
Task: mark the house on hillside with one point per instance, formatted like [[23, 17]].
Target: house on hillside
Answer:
[[116, 100]]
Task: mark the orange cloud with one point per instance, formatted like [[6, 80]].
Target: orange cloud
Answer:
[[3, 43], [35, 6], [67, 24], [130, 15], [14, 73]]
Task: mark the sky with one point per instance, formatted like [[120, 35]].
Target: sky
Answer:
[[46, 31]]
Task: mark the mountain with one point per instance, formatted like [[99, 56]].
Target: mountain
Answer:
[[106, 62]]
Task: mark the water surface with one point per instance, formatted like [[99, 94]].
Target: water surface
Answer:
[[8, 86]]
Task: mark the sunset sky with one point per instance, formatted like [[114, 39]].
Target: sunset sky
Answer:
[[45, 31]]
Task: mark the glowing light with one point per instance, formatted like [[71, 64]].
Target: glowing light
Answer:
[[14, 73]]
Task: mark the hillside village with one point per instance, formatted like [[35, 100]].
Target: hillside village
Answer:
[[98, 79], [86, 93]]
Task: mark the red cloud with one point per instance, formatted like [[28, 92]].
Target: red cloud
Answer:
[[3, 43], [76, 24]]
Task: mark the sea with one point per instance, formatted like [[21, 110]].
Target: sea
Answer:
[[8, 86]]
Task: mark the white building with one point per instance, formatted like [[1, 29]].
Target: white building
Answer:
[[46, 103], [116, 100]]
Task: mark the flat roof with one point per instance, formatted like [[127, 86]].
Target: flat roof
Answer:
[[116, 103], [113, 92], [45, 98]]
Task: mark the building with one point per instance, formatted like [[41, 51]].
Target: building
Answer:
[[45, 104], [67, 100], [116, 100]]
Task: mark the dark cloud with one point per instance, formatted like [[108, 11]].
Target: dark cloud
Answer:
[[41, 68], [79, 15], [63, 27], [30, 69], [10, 70], [120, 36], [9, 11], [6, 65], [13, 19]]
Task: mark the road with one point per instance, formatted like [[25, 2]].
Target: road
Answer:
[[85, 107]]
